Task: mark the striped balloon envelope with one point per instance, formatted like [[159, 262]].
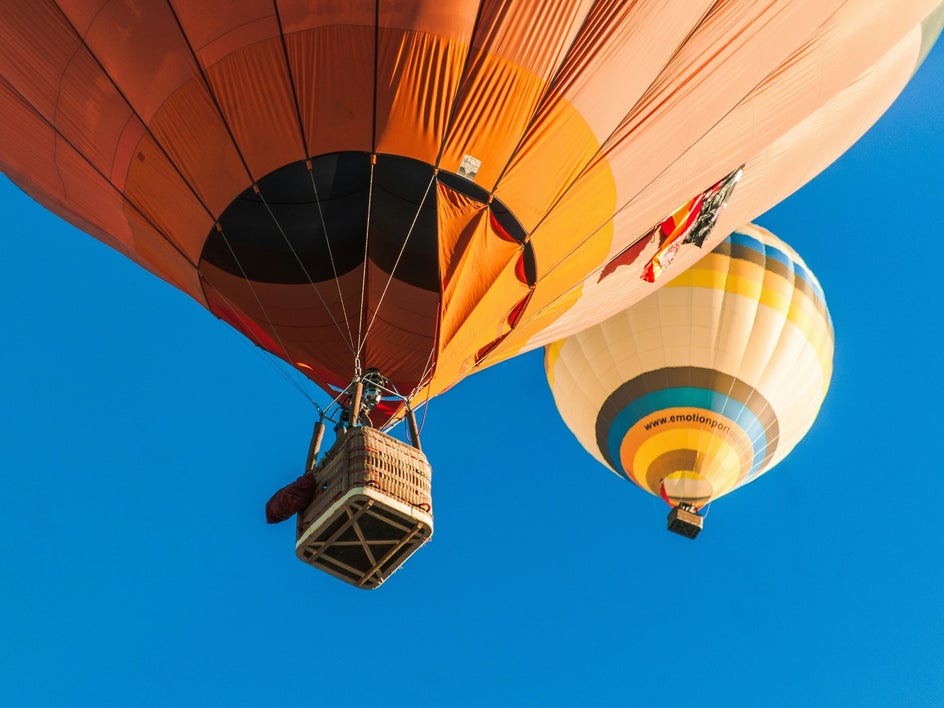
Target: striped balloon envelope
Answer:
[[709, 382]]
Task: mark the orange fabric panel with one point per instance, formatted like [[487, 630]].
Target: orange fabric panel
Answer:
[[300, 15], [155, 188], [160, 257], [643, 35], [91, 114], [471, 258], [491, 115], [254, 91], [333, 69], [532, 34], [139, 45], [486, 321], [399, 327], [294, 318], [418, 75], [517, 49], [736, 48], [451, 20], [36, 46], [216, 28], [188, 127], [30, 159]]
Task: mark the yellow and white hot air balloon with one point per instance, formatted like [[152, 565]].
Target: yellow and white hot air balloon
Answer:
[[707, 383]]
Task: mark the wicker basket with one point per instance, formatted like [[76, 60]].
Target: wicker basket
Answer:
[[373, 509]]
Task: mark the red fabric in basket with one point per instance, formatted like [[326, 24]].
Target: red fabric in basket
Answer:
[[291, 499]]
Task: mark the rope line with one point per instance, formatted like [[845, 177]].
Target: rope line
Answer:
[[298, 259], [334, 269], [360, 313], [409, 233]]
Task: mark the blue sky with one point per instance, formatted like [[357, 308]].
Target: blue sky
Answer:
[[141, 438]]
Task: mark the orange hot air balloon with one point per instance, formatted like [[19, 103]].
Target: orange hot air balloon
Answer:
[[427, 187]]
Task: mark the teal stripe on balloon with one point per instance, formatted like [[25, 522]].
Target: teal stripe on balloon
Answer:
[[687, 397]]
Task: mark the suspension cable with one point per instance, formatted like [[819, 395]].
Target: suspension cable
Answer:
[[255, 295], [334, 269], [409, 233], [258, 192], [360, 313]]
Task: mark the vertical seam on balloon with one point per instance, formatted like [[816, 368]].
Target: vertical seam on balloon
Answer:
[[254, 294], [539, 104], [291, 79], [373, 112], [134, 111], [596, 155], [603, 225], [305, 146], [530, 318], [211, 94], [249, 174], [52, 126], [463, 77]]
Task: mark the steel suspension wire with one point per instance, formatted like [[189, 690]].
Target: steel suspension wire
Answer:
[[360, 313], [334, 269], [255, 295], [277, 364], [409, 233], [298, 259]]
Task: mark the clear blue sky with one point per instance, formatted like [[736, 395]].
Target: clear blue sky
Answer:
[[141, 438]]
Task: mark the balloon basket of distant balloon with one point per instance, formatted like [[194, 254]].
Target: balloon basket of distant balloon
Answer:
[[685, 521], [372, 511]]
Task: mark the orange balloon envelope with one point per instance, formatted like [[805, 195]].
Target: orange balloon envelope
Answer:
[[427, 187]]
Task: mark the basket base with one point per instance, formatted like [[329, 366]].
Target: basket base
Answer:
[[364, 537], [684, 522]]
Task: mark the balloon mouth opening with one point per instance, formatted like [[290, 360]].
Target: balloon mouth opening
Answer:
[[313, 220], [686, 487]]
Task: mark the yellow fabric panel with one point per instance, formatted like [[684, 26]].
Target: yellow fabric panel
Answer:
[[722, 469], [546, 166]]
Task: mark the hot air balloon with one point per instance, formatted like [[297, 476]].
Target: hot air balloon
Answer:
[[708, 383], [427, 188]]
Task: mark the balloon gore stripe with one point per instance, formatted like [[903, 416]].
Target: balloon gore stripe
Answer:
[[691, 398]]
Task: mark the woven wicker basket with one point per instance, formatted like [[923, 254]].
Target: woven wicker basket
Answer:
[[373, 509]]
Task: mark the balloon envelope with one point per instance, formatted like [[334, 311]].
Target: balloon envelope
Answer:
[[425, 187], [709, 382]]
